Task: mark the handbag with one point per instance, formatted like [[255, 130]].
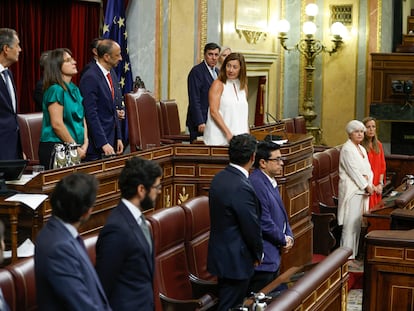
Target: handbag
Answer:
[[65, 154]]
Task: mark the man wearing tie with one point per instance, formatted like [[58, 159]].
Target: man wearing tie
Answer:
[[199, 81], [125, 251], [276, 231], [65, 276], [10, 147], [101, 96]]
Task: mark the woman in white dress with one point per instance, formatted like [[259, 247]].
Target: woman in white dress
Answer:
[[355, 186], [228, 108]]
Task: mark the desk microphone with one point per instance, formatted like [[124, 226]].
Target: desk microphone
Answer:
[[270, 136]]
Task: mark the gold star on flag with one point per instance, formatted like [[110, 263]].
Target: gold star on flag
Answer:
[[121, 22], [126, 67], [122, 82], [125, 34], [105, 28]]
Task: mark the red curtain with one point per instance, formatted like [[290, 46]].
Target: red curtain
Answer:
[[45, 25]]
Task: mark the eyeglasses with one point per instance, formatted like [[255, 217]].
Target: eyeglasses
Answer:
[[157, 187], [278, 159]]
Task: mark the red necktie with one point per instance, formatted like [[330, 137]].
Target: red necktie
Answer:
[[112, 85]]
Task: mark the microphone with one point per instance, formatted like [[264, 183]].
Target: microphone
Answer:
[[277, 121], [270, 136]]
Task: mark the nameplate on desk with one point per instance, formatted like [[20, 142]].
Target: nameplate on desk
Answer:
[[31, 200]]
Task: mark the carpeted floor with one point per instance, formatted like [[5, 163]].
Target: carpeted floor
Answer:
[[354, 302], [355, 284]]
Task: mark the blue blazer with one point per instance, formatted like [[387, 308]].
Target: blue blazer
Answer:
[[198, 84], [235, 236], [10, 147], [65, 276], [274, 221], [100, 110], [125, 263]]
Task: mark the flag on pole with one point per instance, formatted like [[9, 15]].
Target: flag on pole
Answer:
[[115, 28]]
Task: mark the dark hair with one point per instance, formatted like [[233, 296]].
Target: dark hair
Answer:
[[242, 74], [211, 46], [73, 196], [104, 47], [95, 42], [7, 37], [53, 68], [138, 171], [264, 150], [43, 58], [241, 148], [1, 232], [366, 141]]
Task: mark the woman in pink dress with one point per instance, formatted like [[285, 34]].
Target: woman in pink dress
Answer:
[[376, 159]]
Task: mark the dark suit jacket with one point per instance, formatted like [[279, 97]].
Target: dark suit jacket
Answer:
[[125, 263], [65, 276], [198, 84], [10, 147], [100, 110], [235, 236], [274, 221]]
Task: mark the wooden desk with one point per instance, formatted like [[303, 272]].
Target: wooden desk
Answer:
[[11, 209], [187, 172]]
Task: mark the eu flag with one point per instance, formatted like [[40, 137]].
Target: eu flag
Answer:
[[115, 28]]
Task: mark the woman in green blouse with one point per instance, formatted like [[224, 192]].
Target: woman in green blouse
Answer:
[[63, 113]]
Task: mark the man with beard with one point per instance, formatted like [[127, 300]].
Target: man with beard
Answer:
[[124, 251], [65, 276]]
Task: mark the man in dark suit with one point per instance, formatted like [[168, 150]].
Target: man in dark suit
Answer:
[[235, 245], [101, 95], [65, 276], [124, 251], [10, 146], [199, 81], [276, 231]]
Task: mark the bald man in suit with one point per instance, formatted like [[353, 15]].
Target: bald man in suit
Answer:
[[10, 146]]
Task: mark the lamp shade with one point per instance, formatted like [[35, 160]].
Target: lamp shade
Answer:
[[311, 9], [309, 28], [283, 26], [338, 29]]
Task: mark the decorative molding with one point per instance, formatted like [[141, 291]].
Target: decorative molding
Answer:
[[252, 37]]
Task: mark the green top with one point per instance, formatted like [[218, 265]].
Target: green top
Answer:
[[73, 112]]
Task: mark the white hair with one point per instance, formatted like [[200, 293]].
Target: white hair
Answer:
[[355, 125]]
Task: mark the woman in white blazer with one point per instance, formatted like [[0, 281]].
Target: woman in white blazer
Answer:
[[355, 185]]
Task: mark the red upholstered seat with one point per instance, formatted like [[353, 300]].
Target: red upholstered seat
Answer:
[[8, 288], [289, 125], [300, 124], [171, 267], [170, 120], [197, 215], [25, 284], [334, 171], [30, 125], [324, 185]]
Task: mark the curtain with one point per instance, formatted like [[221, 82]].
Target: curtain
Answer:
[[45, 25]]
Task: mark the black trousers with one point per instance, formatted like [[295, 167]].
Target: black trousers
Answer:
[[231, 293], [260, 279]]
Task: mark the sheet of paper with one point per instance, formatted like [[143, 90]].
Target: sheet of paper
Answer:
[[22, 181], [29, 199], [280, 142], [26, 249]]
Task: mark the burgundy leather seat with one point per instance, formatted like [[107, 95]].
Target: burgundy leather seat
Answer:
[[25, 284], [171, 121], [30, 125], [197, 215], [300, 124], [8, 288], [172, 279], [289, 125]]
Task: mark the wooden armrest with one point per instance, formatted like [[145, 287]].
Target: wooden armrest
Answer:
[[405, 198], [201, 287], [204, 303], [178, 137]]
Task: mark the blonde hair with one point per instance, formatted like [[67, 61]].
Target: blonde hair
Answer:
[[366, 141]]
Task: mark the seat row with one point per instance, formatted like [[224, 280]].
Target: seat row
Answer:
[[181, 278], [150, 123]]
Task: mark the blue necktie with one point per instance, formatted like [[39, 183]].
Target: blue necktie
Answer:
[[145, 230], [214, 73]]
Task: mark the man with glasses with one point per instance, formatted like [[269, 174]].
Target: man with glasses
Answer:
[[125, 251], [276, 231]]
